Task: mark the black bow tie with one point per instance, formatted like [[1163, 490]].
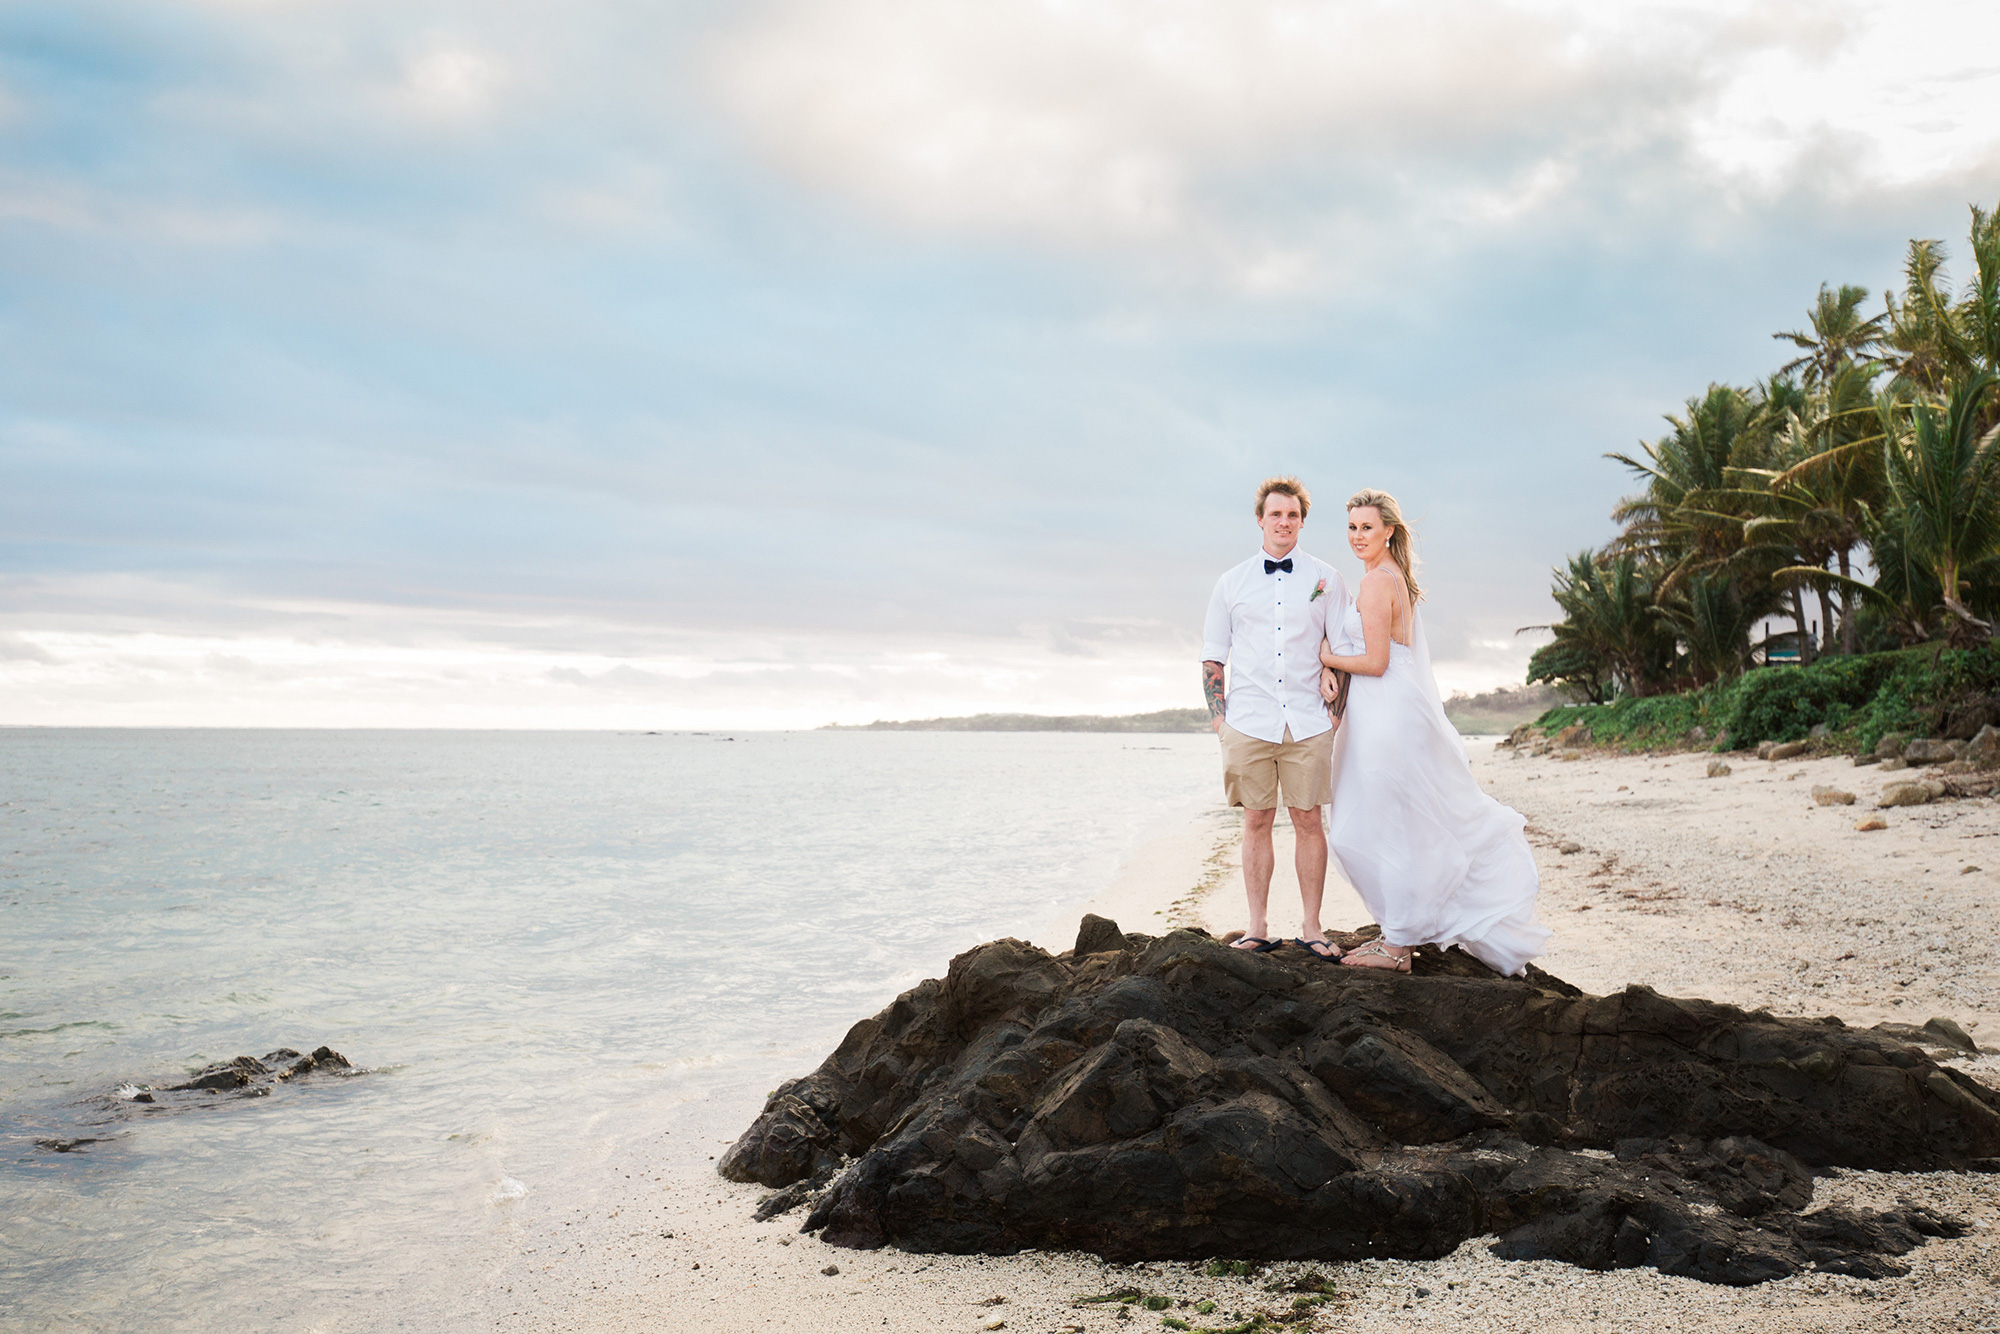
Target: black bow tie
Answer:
[[1272, 566]]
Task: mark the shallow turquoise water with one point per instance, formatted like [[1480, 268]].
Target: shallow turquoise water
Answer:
[[517, 935]]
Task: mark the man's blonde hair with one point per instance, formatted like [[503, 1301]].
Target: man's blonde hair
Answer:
[[1284, 486]]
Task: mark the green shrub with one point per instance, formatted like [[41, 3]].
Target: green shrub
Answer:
[[1857, 698], [1634, 724], [1786, 703]]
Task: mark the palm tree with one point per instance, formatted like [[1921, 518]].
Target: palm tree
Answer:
[[1979, 311], [1712, 621], [1944, 474], [1826, 484], [1691, 517], [1934, 340], [1571, 665], [1609, 638], [1667, 522], [1757, 496], [1923, 338], [1839, 337], [1905, 594]]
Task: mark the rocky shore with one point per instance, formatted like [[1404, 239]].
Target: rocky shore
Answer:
[[1172, 1098], [1743, 889]]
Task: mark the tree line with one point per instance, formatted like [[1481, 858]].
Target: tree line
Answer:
[[1860, 480]]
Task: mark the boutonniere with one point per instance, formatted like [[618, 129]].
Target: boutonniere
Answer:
[[1318, 590]]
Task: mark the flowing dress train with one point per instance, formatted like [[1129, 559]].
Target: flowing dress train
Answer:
[[1435, 859]]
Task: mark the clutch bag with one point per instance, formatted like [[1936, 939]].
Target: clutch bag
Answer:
[[1338, 705]]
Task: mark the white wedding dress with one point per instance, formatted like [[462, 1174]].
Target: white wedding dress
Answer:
[[1435, 859]]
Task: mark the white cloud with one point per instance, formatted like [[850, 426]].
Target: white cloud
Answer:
[[452, 82], [23, 648], [1908, 92], [73, 206], [1111, 123], [1487, 664], [148, 653], [1264, 141], [432, 391]]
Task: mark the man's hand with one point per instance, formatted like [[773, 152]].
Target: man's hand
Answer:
[[1211, 690], [1329, 690]]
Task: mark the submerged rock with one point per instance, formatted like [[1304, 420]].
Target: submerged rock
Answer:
[[247, 1072], [115, 1111], [1175, 1099]]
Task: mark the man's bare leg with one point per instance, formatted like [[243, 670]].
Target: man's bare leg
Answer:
[[1309, 857], [1258, 862]]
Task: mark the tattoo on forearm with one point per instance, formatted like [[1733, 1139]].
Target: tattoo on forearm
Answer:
[[1211, 688]]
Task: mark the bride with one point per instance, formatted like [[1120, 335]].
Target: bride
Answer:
[[1435, 859]]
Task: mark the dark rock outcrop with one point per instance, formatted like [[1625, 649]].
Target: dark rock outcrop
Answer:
[[248, 1074], [1096, 935], [1174, 1098]]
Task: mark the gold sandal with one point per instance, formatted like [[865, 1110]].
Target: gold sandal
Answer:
[[1400, 962]]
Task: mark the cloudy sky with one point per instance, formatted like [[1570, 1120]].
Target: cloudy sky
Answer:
[[768, 364]]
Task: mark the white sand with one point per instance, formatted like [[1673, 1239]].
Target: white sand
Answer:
[[1166, 877], [1737, 889]]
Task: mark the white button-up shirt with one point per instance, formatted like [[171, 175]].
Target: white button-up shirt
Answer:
[[1267, 627]]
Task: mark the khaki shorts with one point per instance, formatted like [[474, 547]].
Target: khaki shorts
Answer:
[[1253, 771]]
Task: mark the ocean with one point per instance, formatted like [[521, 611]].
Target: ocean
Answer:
[[527, 944]]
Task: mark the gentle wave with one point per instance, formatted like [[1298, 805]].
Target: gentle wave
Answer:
[[523, 938]]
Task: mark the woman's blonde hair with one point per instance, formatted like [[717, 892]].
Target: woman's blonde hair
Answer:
[[1401, 549]]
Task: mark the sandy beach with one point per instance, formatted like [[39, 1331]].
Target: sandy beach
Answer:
[[1740, 888]]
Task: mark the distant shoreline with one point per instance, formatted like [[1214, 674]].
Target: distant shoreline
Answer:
[[1160, 720], [1493, 713]]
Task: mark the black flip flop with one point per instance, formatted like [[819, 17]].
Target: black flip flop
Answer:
[[1262, 946], [1307, 946]]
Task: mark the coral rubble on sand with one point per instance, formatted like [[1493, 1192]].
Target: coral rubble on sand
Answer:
[[1173, 1098]]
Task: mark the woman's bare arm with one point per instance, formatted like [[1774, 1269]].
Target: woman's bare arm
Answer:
[[1377, 604]]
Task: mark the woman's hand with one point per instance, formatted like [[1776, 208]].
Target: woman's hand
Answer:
[[1329, 684]]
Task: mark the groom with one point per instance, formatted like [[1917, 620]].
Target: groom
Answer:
[[1266, 620]]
